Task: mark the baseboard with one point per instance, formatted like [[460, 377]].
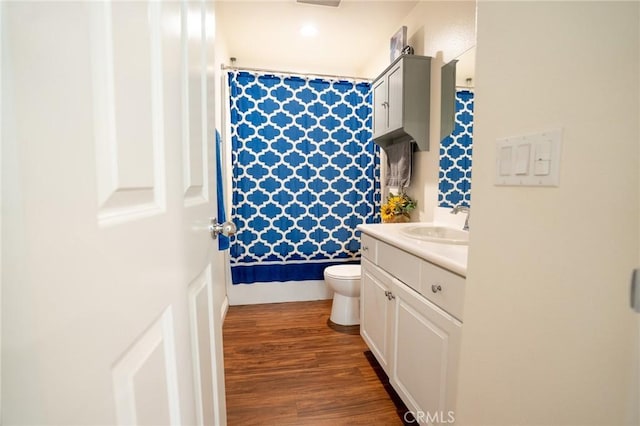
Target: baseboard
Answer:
[[276, 292], [224, 308]]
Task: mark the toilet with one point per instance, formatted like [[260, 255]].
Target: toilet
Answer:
[[344, 280]]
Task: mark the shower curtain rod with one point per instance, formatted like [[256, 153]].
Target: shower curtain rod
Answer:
[[338, 77]]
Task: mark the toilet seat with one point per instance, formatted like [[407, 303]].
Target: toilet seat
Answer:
[[344, 272]]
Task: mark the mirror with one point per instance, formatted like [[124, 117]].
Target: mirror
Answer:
[[447, 98], [456, 130]]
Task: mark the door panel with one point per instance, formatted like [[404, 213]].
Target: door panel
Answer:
[[202, 332], [380, 113], [375, 313], [147, 366], [127, 104], [194, 107], [426, 357], [395, 98], [107, 302], [421, 359]]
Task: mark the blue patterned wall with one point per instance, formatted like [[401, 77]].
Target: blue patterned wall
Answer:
[[454, 187], [305, 174]]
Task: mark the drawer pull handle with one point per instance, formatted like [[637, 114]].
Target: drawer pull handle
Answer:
[[365, 248], [436, 288]]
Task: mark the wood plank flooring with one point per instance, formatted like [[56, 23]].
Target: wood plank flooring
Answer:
[[285, 366]]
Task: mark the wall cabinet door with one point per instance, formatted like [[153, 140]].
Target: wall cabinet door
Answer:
[[380, 117], [426, 347], [388, 101], [395, 102], [376, 313]]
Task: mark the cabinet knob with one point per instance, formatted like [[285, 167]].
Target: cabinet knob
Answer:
[[436, 288], [385, 104], [365, 248]]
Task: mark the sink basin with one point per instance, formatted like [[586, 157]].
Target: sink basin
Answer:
[[437, 234]]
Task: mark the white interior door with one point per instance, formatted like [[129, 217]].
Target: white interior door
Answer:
[[108, 268]]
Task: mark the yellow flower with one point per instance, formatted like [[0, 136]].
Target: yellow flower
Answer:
[[386, 212], [395, 202]]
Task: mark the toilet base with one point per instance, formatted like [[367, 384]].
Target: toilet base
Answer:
[[345, 310]]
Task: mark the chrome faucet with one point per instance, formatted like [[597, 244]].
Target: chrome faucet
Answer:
[[458, 209]]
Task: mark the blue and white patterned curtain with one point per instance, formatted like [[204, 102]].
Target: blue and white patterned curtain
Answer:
[[305, 173], [454, 187]]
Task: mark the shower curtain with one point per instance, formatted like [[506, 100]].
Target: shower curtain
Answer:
[[305, 174]]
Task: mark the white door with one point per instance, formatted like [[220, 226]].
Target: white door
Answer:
[[108, 267]]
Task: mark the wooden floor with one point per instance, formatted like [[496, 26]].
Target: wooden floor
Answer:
[[285, 366]]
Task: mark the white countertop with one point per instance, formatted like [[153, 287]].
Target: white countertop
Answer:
[[448, 256]]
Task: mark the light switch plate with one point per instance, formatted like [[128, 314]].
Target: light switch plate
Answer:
[[533, 160]]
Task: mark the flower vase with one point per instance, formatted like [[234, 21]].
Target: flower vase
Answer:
[[399, 218]]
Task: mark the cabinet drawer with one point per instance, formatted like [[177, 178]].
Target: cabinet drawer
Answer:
[[368, 247], [400, 264], [443, 288]]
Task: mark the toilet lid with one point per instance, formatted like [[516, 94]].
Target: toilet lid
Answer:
[[343, 271]]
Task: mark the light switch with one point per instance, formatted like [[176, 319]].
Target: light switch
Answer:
[[541, 167], [543, 150], [522, 159], [505, 160], [542, 159]]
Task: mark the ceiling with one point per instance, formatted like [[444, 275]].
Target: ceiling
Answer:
[[266, 33]]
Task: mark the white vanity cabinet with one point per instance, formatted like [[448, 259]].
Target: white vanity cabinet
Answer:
[[415, 341], [376, 313], [401, 102]]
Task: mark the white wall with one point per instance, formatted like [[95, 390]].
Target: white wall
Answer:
[[548, 335], [442, 30], [266, 34]]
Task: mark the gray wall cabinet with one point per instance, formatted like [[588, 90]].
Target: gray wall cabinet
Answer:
[[401, 100]]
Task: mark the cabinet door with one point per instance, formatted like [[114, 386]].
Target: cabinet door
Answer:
[[394, 97], [380, 107], [375, 313], [426, 346]]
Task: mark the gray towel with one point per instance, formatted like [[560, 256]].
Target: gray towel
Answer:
[[399, 164]]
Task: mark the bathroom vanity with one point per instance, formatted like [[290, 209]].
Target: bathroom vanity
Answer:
[[411, 306]]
